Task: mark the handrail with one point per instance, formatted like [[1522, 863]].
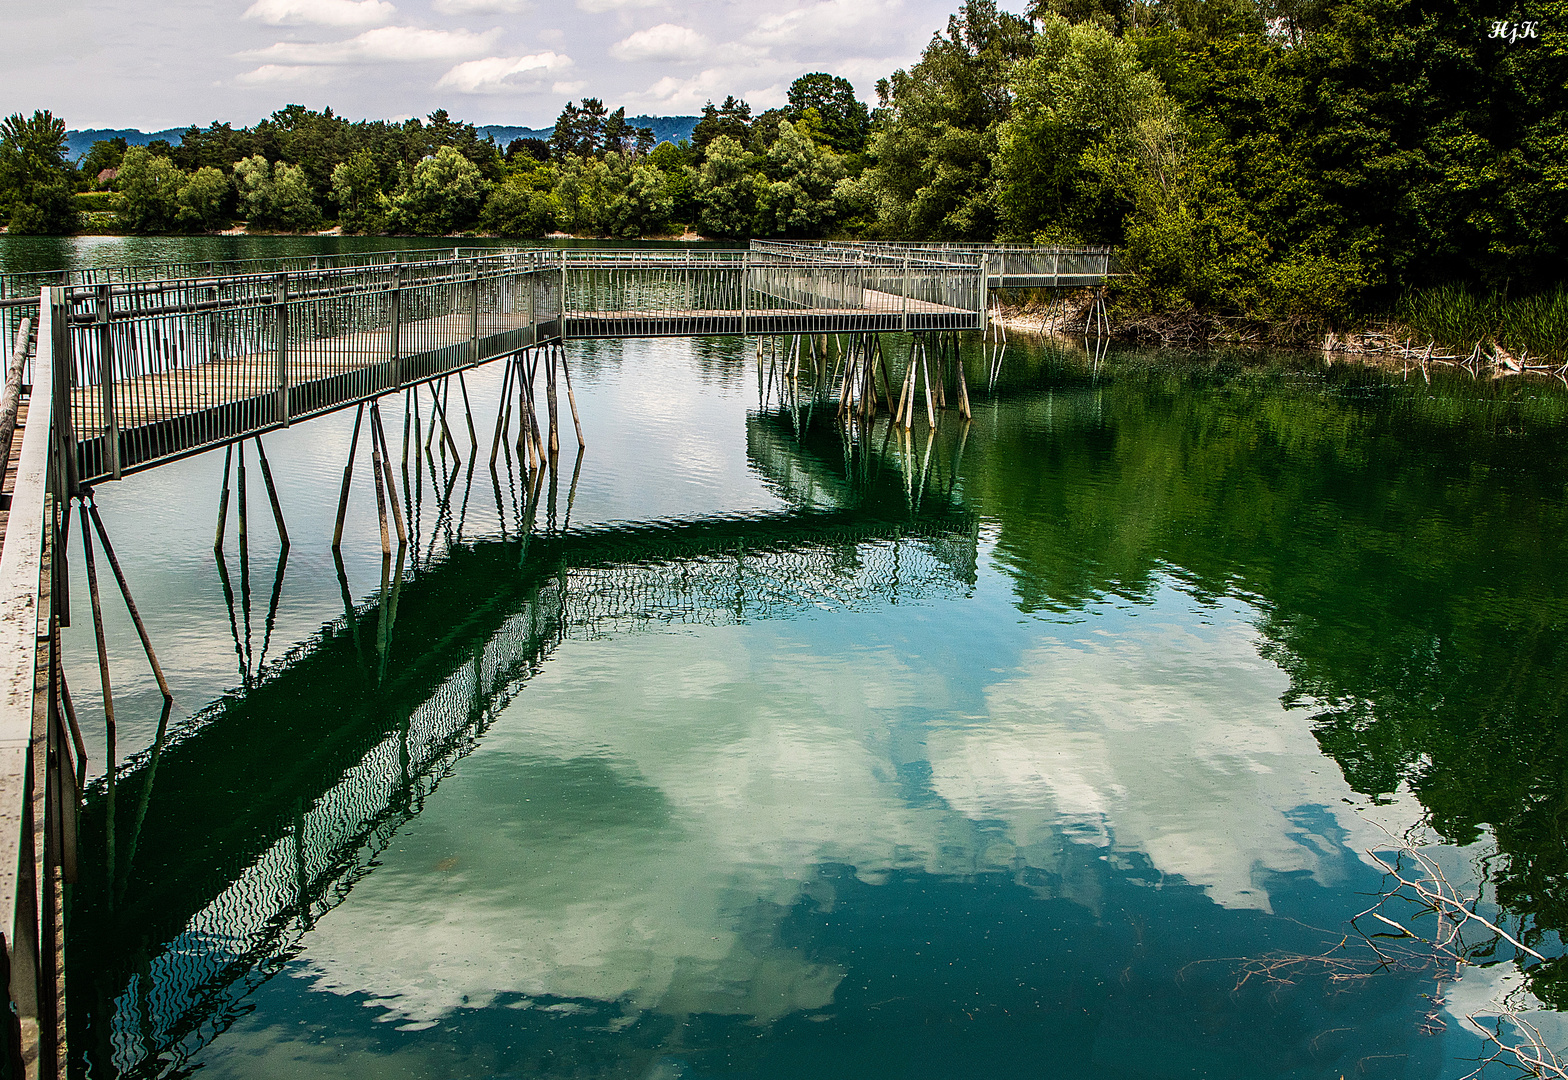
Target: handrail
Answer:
[[25, 629]]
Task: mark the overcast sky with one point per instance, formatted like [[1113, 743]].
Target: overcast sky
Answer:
[[154, 64]]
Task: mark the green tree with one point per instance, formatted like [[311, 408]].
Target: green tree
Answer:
[[294, 206], [937, 139], [515, 209], [36, 182], [1090, 133], [645, 204], [801, 201], [356, 187], [845, 120], [726, 191], [103, 154], [203, 199], [253, 186], [445, 194], [732, 119], [149, 198]]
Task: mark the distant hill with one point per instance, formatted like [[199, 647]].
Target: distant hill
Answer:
[[672, 128], [78, 143]]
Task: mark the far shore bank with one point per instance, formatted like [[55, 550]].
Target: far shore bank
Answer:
[[1380, 342]]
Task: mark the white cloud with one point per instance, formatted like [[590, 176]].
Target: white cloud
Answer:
[[835, 23], [480, 7], [761, 82], [666, 42], [597, 7], [502, 74], [321, 12], [387, 44], [281, 75], [569, 88]]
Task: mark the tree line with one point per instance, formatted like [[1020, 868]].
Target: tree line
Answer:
[[1299, 160]]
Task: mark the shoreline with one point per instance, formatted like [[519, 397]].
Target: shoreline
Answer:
[[1381, 343]]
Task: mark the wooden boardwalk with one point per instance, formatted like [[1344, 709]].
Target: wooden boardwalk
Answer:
[[182, 387]]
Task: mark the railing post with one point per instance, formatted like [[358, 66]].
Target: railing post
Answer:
[[280, 329], [745, 289], [395, 322], [561, 328], [111, 421], [904, 318], [983, 295], [62, 377], [473, 312]]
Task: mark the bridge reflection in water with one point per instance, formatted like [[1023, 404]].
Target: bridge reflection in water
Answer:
[[334, 749]]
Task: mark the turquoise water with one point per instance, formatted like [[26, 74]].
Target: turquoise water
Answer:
[[1054, 745]]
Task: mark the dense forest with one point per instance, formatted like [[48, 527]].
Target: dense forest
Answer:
[[1292, 160]]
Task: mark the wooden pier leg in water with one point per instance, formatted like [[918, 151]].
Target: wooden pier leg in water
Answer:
[[525, 410], [348, 474], [468, 412], [503, 411], [381, 495], [925, 373], [244, 521], [223, 500], [538, 455], [903, 393], [91, 506], [446, 430], [108, 693], [963, 383], [571, 399], [272, 493], [386, 467], [522, 403], [887, 388], [549, 396]]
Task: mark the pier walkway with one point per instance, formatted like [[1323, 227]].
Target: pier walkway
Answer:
[[134, 367]]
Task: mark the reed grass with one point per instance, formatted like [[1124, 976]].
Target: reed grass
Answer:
[[1456, 318]]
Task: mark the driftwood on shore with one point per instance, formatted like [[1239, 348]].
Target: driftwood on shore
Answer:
[[1069, 313]]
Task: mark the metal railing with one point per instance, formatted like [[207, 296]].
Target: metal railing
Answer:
[[154, 368], [1007, 265], [40, 752], [162, 368]]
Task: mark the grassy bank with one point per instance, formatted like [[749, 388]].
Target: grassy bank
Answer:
[[1447, 320], [1452, 317]]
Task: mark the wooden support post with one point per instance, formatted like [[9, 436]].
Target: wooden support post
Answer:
[[963, 383], [91, 506], [380, 436], [446, 430], [381, 495], [549, 396], [108, 693], [272, 493], [348, 474], [468, 412], [526, 408], [925, 372], [503, 410], [223, 500], [571, 399], [887, 388], [244, 520], [904, 391]]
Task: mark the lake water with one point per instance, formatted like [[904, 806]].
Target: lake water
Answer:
[[1054, 745]]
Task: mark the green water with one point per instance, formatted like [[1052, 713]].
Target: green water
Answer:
[[1050, 747]]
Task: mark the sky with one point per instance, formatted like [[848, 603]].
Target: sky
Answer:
[[171, 63]]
